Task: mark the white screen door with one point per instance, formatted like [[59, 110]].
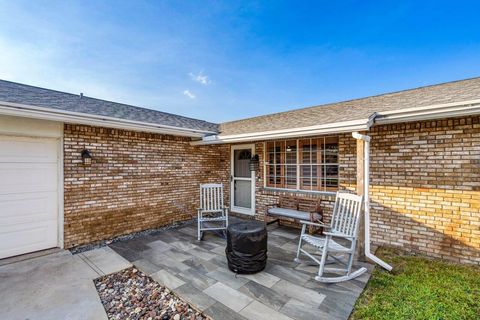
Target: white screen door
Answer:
[[243, 180]]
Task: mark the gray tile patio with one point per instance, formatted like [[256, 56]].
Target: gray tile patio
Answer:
[[198, 272]]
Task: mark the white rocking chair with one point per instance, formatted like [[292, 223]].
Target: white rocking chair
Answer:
[[212, 210], [344, 224]]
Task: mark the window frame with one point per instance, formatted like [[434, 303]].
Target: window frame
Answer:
[[322, 166]]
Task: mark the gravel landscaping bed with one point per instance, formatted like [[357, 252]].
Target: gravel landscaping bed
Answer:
[[130, 294], [103, 243]]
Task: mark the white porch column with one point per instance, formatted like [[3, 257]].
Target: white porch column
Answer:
[[360, 251]]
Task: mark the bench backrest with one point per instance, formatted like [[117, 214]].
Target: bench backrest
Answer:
[[302, 204]]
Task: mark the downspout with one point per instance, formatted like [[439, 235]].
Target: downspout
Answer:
[[366, 180]]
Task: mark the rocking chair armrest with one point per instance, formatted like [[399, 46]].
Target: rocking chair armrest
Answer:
[[314, 224], [339, 235]]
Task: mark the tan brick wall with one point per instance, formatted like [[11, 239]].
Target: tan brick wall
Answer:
[[425, 184], [136, 181], [425, 187]]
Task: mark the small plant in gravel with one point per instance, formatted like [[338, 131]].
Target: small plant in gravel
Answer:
[[130, 294]]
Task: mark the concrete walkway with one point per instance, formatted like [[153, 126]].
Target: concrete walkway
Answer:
[[56, 286]]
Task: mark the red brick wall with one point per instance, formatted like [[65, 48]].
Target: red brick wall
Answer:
[[136, 181]]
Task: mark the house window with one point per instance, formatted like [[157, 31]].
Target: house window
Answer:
[[302, 164]]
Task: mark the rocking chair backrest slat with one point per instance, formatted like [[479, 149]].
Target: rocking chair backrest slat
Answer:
[[211, 197], [346, 214]]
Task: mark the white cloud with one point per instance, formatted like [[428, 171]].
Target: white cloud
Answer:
[[189, 94], [200, 78]]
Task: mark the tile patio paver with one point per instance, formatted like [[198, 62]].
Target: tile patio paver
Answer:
[[285, 233], [220, 311], [201, 253], [201, 265], [194, 296], [263, 278], [267, 296], [196, 279], [227, 277], [159, 245], [295, 291], [146, 266], [166, 278], [259, 311], [287, 274], [303, 311], [232, 298]]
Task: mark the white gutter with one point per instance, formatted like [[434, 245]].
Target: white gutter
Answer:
[[338, 127], [366, 180], [21, 110], [438, 111]]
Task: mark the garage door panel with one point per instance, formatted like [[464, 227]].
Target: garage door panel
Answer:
[[28, 207], [28, 194], [25, 149], [27, 237], [27, 177]]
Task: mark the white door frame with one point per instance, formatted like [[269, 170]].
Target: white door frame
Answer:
[[233, 208]]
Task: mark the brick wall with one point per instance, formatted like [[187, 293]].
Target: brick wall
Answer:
[[425, 186], [136, 181]]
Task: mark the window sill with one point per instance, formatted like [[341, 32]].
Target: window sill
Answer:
[[295, 191]]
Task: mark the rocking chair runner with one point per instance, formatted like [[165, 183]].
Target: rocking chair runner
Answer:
[[344, 224], [211, 211]]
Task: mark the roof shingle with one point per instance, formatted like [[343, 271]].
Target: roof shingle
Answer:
[[357, 109], [40, 97]]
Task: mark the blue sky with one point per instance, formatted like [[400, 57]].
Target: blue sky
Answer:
[[224, 60]]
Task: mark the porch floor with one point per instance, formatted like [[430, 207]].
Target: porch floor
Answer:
[[198, 272]]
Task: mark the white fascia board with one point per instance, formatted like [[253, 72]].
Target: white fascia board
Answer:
[[27, 111], [439, 111], [332, 128]]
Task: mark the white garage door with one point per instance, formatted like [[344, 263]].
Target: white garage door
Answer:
[[28, 194]]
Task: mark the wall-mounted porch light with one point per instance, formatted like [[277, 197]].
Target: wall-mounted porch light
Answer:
[[86, 157], [254, 163]]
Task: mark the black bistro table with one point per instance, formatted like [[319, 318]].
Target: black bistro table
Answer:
[[246, 247]]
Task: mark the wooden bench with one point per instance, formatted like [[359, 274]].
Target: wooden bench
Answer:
[[295, 208]]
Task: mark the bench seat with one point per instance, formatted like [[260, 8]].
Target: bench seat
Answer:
[[289, 213]]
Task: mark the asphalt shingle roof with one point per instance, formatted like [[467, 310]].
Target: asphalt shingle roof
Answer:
[[357, 109], [40, 97]]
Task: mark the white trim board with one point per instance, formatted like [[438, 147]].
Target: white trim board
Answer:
[[27, 111]]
